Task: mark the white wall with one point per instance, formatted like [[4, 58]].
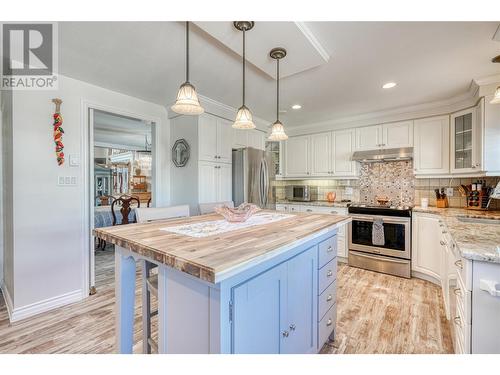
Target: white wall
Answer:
[[48, 225]]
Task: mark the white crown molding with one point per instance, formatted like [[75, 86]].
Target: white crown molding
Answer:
[[482, 81], [391, 115], [217, 108], [313, 40]]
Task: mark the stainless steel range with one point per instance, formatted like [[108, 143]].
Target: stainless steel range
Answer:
[[389, 249]]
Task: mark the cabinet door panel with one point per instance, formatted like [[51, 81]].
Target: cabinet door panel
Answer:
[[321, 154], [368, 138], [432, 145], [224, 185], [342, 148], [259, 307], [398, 134], [301, 303], [426, 251], [224, 141], [207, 182], [297, 156], [240, 138], [256, 139], [207, 137]]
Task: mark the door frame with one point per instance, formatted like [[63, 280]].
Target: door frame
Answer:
[[87, 142]]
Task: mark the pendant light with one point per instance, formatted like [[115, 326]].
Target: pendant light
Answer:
[[496, 97], [277, 129], [244, 116], [187, 102]]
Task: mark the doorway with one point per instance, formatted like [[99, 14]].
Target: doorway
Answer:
[[122, 163]]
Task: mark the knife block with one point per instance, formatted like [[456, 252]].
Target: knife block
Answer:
[[442, 202]]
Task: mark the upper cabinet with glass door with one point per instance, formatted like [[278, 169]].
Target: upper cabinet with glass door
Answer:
[[466, 141]]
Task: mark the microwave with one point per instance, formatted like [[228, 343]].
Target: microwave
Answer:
[[302, 193]]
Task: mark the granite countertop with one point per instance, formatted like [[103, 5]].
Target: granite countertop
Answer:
[[317, 203], [474, 241], [219, 256]]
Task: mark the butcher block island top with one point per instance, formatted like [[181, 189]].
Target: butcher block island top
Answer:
[[217, 257]]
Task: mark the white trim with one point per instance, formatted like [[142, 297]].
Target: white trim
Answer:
[[27, 311], [424, 276], [85, 106], [7, 298], [482, 81], [313, 40]]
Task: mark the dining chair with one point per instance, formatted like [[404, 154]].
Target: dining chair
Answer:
[[124, 202], [208, 208], [149, 280]]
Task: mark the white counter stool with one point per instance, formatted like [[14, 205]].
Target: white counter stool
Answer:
[[149, 280], [208, 208]]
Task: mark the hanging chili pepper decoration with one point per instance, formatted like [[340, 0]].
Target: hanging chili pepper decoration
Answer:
[[58, 132]]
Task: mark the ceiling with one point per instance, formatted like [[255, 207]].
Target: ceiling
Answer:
[[430, 61], [120, 132]]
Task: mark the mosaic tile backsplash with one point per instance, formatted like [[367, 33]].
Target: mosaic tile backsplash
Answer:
[[402, 184], [394, 180]]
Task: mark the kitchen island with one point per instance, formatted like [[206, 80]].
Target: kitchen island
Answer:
[[263, 288]]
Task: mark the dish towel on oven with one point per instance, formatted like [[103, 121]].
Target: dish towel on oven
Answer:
[[378, 238]]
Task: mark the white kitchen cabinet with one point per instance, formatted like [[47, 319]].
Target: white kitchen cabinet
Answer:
[[342, 148], [297, 153], [426, 251], [256, 139], [431, 146], [397, 134], [215, 184], [215, 139], [466, 148], [321, 154], [369, 138], [240, 138]]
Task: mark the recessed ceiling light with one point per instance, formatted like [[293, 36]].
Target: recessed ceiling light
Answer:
[[389, 85], [296, 106]]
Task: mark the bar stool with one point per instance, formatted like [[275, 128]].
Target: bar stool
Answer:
[[149, 279]]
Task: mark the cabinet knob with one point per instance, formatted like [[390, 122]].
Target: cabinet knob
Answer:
[[309, 210], [334, 212], [329, 249], [329, 322], [329, 273], [285, 333], [442, 243], [329, 298], [457, 292], [473, 166], [292, 327]]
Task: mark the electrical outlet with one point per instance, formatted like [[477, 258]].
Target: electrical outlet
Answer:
[[449, 192]]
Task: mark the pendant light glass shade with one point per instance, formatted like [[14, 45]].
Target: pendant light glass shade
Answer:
[[187, 102], [244, 116], [278, 132], [243, 119], [277, 129], [496, 97]]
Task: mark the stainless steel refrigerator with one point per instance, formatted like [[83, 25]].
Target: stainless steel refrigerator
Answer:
[[253, 176]]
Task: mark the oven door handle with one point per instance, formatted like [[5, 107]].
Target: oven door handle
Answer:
[[385, 219], [385, 259]]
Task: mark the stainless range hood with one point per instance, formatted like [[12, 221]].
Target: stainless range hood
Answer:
[[381, 155]]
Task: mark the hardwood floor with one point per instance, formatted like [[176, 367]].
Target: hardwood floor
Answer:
[[376, 314]]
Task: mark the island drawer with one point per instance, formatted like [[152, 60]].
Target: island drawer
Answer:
[[327, 275], [327, 325], [326, 300], [327, 250]]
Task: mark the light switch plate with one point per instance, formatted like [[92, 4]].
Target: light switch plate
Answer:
[[449, 192], [74, 160], [348, 190]]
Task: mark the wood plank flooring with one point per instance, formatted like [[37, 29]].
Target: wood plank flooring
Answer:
[[377, 314]]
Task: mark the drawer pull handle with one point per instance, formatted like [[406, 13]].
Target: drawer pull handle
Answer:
[[458, 321], [444, 232], [309, 210], [442, 243], [457, 292], [329, 273], [441, 225], [329, 248], [333, 212], [285, 333], [459, 264], [329, 298], [329, 323], [490, 286]]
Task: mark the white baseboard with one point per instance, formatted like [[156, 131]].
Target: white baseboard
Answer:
[[423, 276], [7, 299], [23, 312]]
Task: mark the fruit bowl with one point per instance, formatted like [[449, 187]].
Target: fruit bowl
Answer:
[[239, 214]]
